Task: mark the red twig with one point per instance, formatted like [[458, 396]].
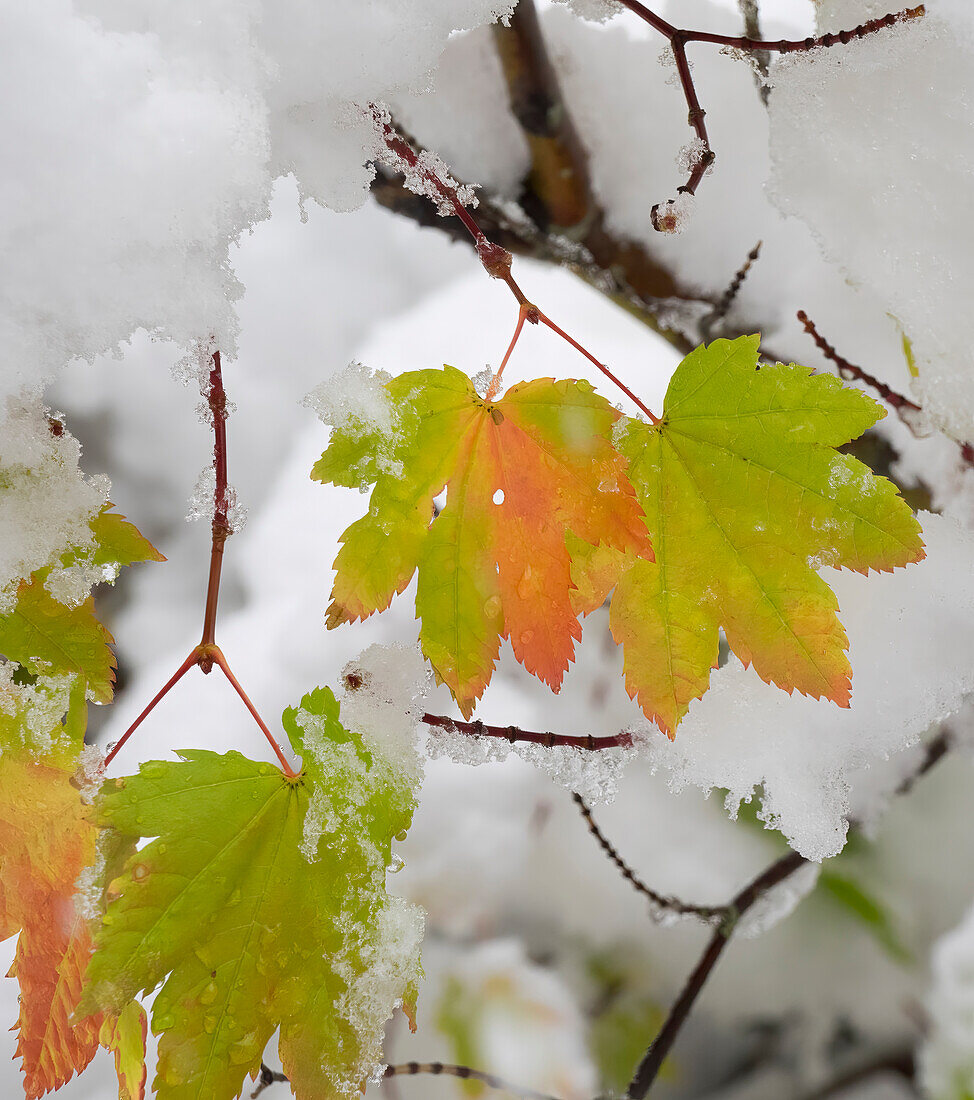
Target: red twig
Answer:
[[208, 653], [512, 735], [496, 260], [602, 367], [908, 411], [160, 695], [220, 528], [524, 313], [219, 659], [678, 39], [851, 373]]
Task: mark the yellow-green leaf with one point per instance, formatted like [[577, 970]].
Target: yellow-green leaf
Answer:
[[521, 474], [745, 499], [259, 905]]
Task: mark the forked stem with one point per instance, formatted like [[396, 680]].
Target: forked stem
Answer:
[[496, 261], [525, 312], [653, 419], [180, 672], [220, 660]]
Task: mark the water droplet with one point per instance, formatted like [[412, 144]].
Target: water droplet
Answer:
[[498, 497], [396, 864], [400, 836], [209, 1024], [163, 1022], [524, 586], [208, 996], [492, 608], [139, 872], [526, 636]]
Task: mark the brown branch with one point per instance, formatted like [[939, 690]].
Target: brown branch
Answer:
[[908, 411], [269, 1077], [658, 902], [513, 735], [900, 1062], [557, 193], [664, 214], [652, 1061], [265, 1079], [727, 299], [776, 873], [762, 58], [220, 528], [464, 1073]]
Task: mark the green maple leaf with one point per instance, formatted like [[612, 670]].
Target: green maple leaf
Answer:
[[48, 638], [261, 904], [521, 472], [745, 498]]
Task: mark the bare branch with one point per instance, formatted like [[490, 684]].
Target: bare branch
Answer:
[[908, 411], [660, 1047], [776, 873], [723, 306], [762, 58], [513, 734], [664, 214], [466, 1074], [659, 903]]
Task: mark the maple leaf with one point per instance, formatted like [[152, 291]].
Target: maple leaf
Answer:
[[261, 903], [45, 842], [744, 498], [49, 638], [125, 1036], [520, 473]]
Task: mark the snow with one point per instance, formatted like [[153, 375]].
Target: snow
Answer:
[[912, 653], [839, 118], [150, 151], [46, 502], [385, 689], [947, 1053]]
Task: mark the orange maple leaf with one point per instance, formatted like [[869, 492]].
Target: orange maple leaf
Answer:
[[521, 473], [45, 843]]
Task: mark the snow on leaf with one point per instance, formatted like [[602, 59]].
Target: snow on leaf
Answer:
[[244, 930], [745, 497], [45, 842], [48, 638], [521, 473]]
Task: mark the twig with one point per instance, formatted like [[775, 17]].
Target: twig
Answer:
[[663, 218], [908, 411], [436, 1069], [707, 913], [512, 734], [467, 1074], [762, 58], [208, 653], [266, 1078], [776, 873], [901, 1062], [614, 266], [495, 260], [727, 299], [660, 1047], [220, 528]]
